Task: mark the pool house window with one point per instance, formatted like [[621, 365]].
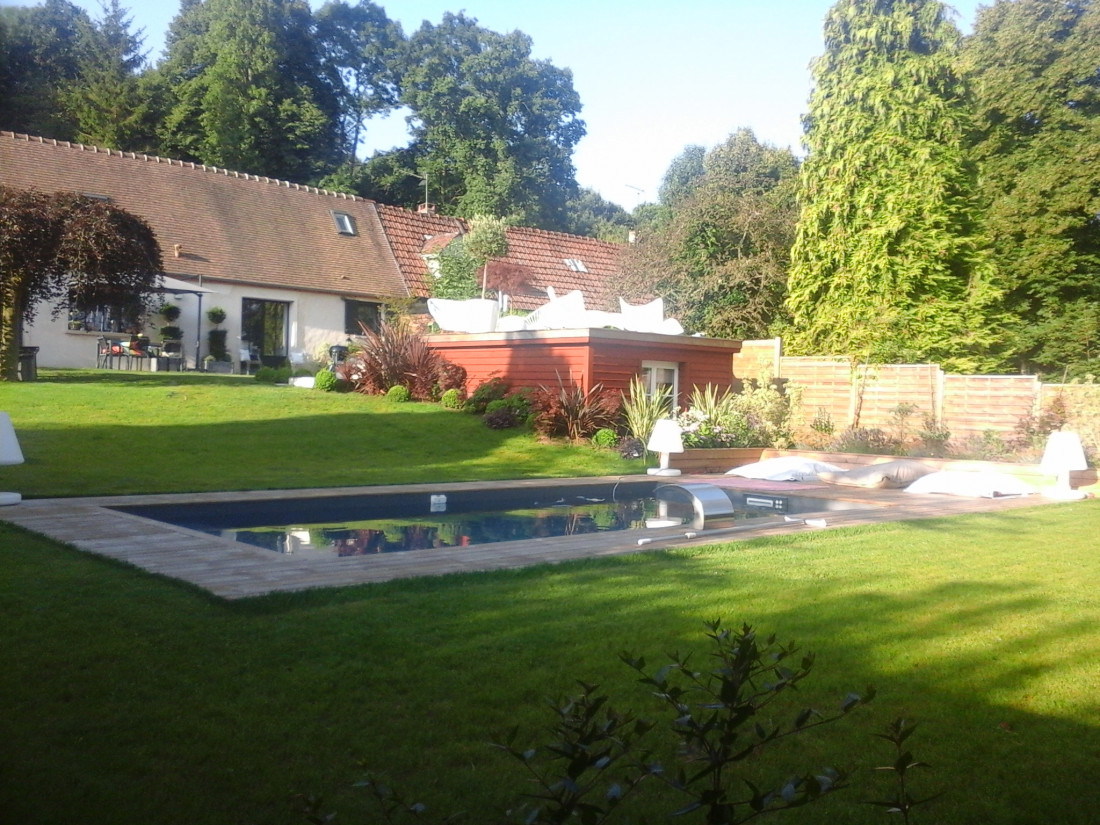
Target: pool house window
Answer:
[[657, 374]]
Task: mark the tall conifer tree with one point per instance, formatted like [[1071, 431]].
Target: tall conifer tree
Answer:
[[1032, 68], [888, 262]]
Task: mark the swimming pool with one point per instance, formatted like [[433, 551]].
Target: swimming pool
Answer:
[[368, 524]]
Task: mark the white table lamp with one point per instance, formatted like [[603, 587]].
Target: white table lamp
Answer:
[[665, 439], [9, 454], [1063, 455]]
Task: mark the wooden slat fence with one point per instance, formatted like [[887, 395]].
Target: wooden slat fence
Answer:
[[870, 395]]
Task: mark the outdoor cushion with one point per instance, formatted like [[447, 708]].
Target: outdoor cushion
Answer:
[[887, 474], [978, 484], [789, 468]]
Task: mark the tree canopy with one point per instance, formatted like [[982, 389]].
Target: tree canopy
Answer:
[[72, 250], [719, 250], [249, 90], [494, 129]]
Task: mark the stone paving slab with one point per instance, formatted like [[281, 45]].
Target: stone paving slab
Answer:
[[232, 570]]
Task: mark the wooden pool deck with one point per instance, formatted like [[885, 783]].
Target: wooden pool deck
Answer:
[[231, 570]]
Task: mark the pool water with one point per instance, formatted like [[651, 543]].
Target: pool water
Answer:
[[441, 532], [390, 522]]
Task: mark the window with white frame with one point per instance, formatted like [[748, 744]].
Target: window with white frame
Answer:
[[657, 374]]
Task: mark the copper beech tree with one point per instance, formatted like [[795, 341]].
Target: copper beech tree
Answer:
[[70, 251]]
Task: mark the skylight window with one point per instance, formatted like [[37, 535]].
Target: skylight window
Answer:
[[345, 223], [576, 264]]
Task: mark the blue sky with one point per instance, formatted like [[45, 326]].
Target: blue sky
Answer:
[[652, 77]]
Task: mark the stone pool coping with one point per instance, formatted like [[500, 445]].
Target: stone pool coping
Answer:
[[231, 570]]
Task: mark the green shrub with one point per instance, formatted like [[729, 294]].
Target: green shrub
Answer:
[[452, 399], [520, 401], [934, 437], [325, 381], [399, 393], [498, 404], [989, 446], [492, 390], [273, 375], [722, 716], [457, 278], [605, 437]]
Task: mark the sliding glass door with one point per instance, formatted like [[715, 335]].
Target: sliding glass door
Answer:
[[265, 329]]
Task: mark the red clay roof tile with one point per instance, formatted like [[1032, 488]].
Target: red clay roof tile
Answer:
[[229, 225]]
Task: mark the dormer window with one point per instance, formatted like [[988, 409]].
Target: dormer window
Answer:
[[345, 223], [575, 264]]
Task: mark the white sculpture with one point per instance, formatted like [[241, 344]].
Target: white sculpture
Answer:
[[566, 312], [473, 315]]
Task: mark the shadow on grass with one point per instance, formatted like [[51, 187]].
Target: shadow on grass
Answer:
[[415, 675]]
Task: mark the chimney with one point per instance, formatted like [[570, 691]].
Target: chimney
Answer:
[[425, 209]]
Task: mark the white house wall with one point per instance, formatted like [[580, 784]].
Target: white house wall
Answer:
[[316, 323]]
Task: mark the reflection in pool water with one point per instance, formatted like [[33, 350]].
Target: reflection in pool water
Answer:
[[442, 531]]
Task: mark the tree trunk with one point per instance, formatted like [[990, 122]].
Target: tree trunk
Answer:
[[11, 341]]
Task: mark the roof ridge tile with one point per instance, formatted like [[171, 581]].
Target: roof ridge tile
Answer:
[[95, 149]]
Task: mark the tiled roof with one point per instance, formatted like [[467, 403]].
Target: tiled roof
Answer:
[[232, 226], [410, 235], [543, 257], [229, 225]]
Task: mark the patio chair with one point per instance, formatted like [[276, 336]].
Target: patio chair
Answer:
[[173, 352], [249, 359], [105, 353], [137, 351]]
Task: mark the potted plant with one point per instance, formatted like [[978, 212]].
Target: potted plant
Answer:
[[170, 332], [216, 337]]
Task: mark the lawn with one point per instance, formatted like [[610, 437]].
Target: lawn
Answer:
[[126, 698], [111, 432]]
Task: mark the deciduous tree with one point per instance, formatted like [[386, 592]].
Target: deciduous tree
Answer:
[[69, 249], [718, 254], [249, 90], [495, 128], [362, 47]]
